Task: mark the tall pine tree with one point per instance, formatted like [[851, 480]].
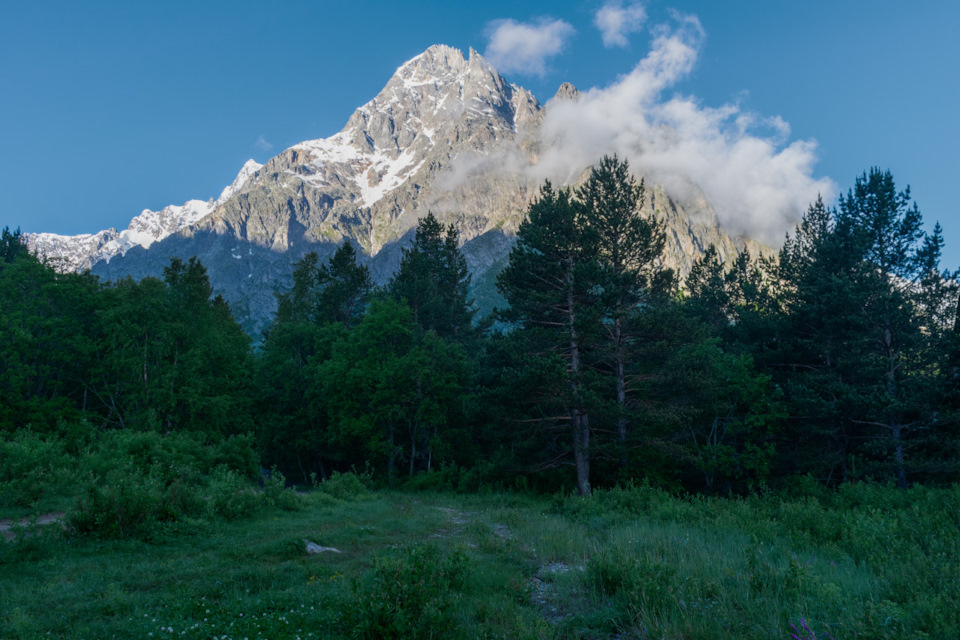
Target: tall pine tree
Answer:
[[549, 284], [629, 248]]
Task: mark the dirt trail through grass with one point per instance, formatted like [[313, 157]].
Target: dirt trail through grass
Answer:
[[542, 589], [8, 527]]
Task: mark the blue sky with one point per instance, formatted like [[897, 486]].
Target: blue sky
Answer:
[[109, 108]]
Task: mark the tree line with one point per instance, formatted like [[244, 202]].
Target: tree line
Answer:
[[839, 358]]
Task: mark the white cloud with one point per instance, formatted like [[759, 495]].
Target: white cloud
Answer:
[[615, 22], [262, 144], [525, 47], [758, 184]]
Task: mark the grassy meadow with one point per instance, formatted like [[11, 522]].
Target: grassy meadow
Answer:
[[865, 562]]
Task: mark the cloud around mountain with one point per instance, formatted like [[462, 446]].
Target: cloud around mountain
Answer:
[[758, 183]]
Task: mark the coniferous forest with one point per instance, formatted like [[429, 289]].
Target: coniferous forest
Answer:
[[838, 358], [834, 363]]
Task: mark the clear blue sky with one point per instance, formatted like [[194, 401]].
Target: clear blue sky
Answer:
[[107, 108]]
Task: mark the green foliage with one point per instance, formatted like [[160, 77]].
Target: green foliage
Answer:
[[551, 286], [324, 302], [865, 561], [838, 364], [729, 413], [237, 452], [392, 392], [48, 337], [127, 503], [276, 494], [867, 384], [414, 593], [128, 484], [33, 466], [231, 497], [347, 486], [433, 281]]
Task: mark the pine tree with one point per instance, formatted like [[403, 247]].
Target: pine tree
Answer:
[[629, 251], [818, 358], [12, 246], [344, 287], [707, 296], [434, 281], [860, 289], [549, 284]]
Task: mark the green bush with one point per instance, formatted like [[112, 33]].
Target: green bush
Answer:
[[413, 594], [347, 486], [32, 467], [231, 496], [238, 453], [275, 493], [127, 503]]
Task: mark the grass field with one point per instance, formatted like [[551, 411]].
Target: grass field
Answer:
[[866, 562]]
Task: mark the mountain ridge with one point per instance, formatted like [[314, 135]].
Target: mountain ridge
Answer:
[[446, 134]]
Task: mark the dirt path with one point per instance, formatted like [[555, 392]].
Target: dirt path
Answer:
[[543, 590], [6, 526]]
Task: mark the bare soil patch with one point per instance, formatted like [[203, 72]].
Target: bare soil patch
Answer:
[[7, 526]]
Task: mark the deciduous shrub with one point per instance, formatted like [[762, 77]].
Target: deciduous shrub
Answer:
[[412, 594]]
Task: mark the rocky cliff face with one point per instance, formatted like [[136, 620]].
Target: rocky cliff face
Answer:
[[447, 134]]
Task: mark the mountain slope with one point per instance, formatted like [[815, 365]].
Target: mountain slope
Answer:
[[446, 134]]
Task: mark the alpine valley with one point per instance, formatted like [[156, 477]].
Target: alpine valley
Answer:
[[447, 134]]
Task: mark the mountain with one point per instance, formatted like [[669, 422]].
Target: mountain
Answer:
[[447, 134]]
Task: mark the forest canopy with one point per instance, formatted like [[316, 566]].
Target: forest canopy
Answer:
[[838, 358]]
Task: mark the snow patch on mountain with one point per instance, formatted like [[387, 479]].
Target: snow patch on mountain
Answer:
[[248, 171], [76, 253]]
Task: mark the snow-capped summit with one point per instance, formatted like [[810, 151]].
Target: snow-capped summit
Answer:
[[437, 106], [446, 134], [247, 171], [387, 140]]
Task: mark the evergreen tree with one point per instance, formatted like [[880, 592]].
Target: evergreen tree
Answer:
[[886, 227], [12, 246], [550, 285], [859, 288], [707, 296], [629, 250], [344, 288], [816, 358], [433, 280]]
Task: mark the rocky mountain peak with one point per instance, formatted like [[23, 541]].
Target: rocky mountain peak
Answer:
[[567, 92], [446, 134], [247, 171]]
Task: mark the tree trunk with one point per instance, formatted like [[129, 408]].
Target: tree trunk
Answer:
[[306, 478], [581, 451], [621, 393], [393, 453], [413, 447], [898, 454], [896, 430], [579, 421]]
